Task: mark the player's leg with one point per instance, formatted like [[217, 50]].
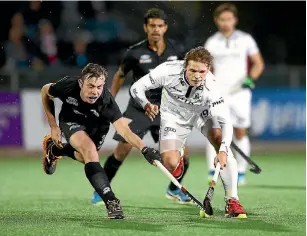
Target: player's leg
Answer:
[[229, 174], [81, 142], [139, 124], [172, 141], [242, 141], [240, 112], [210, 154]]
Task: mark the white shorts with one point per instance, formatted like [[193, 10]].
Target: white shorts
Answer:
[[240, 108], [173, 134]]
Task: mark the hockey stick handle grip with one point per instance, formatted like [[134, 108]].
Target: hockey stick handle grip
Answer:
[[166, 172]]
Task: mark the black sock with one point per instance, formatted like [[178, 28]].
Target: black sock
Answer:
[[98, 179], [111, 166], [186, 166], [67, 150]]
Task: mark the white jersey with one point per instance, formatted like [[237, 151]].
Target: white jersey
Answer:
[[185, 102], [231, 58]]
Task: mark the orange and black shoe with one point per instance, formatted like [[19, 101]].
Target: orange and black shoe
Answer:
[[49, 160], [234, 209]]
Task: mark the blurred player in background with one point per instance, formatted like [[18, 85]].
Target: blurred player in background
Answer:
[[88, 109], [191, 98], [237, 65], [140, 59]]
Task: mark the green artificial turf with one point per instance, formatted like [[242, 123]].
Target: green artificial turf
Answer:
[[32, 203]]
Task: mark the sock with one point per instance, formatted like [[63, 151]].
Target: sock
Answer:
[[229, 176], [67, 150], [185, 169], [210, 154], [244, 145], [98, 179], [111, 166]]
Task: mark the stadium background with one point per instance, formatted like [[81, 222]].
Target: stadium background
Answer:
[[100, 32]]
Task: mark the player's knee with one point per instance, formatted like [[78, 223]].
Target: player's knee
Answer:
[[216, 137], [170, 161], [186, 154], [239, 133], [122, 150], [89, 152]]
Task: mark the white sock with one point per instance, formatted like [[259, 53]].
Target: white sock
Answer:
[[229, 176], [244, 145], [210, 154]]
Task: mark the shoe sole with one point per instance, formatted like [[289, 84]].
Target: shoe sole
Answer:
[[46, 138], [240, 216], [176, 198], [116, 217], [99, 203]]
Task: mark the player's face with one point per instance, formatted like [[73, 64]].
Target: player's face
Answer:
[[155, 29], [226, 22], [91, 89], [196, 72]]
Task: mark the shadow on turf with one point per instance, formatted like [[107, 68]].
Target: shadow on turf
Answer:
[[279, 187]]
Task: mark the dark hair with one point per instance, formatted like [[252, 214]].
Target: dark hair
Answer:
[[93, 70], [226, 7], [198, 54], [155, 13]]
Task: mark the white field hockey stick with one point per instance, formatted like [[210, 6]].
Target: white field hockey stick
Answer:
[[178, 185]]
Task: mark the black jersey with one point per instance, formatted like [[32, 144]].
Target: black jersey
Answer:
[[140, 59], [103, 112]]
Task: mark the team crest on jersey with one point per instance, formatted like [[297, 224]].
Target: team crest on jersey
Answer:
[[72, 101], [172, 58], [145, 59]]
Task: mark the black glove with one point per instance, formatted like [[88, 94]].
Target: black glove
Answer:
[[151, 154]]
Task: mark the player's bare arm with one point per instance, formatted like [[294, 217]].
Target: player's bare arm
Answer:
[[49, 108], [257, 66], [123, 129], [117, 82]]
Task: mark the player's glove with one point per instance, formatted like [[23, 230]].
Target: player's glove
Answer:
[[151, 154], [248, 83]]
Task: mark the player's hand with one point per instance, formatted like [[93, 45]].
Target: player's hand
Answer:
[[248, 83], [151, 111], [222, 159], [56, 136], [151, 155]]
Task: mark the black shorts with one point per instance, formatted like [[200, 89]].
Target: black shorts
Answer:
[[140, 124], [97, 134]]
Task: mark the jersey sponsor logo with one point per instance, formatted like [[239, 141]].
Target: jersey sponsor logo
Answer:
[[145, 59], [95, 112], [72, 101], [218, 102], [183, 99], [174, 88], [78, 113], [172, 58]]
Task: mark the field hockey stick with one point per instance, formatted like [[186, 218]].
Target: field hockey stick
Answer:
[[178, 185], [210, 192], [255, 168]]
